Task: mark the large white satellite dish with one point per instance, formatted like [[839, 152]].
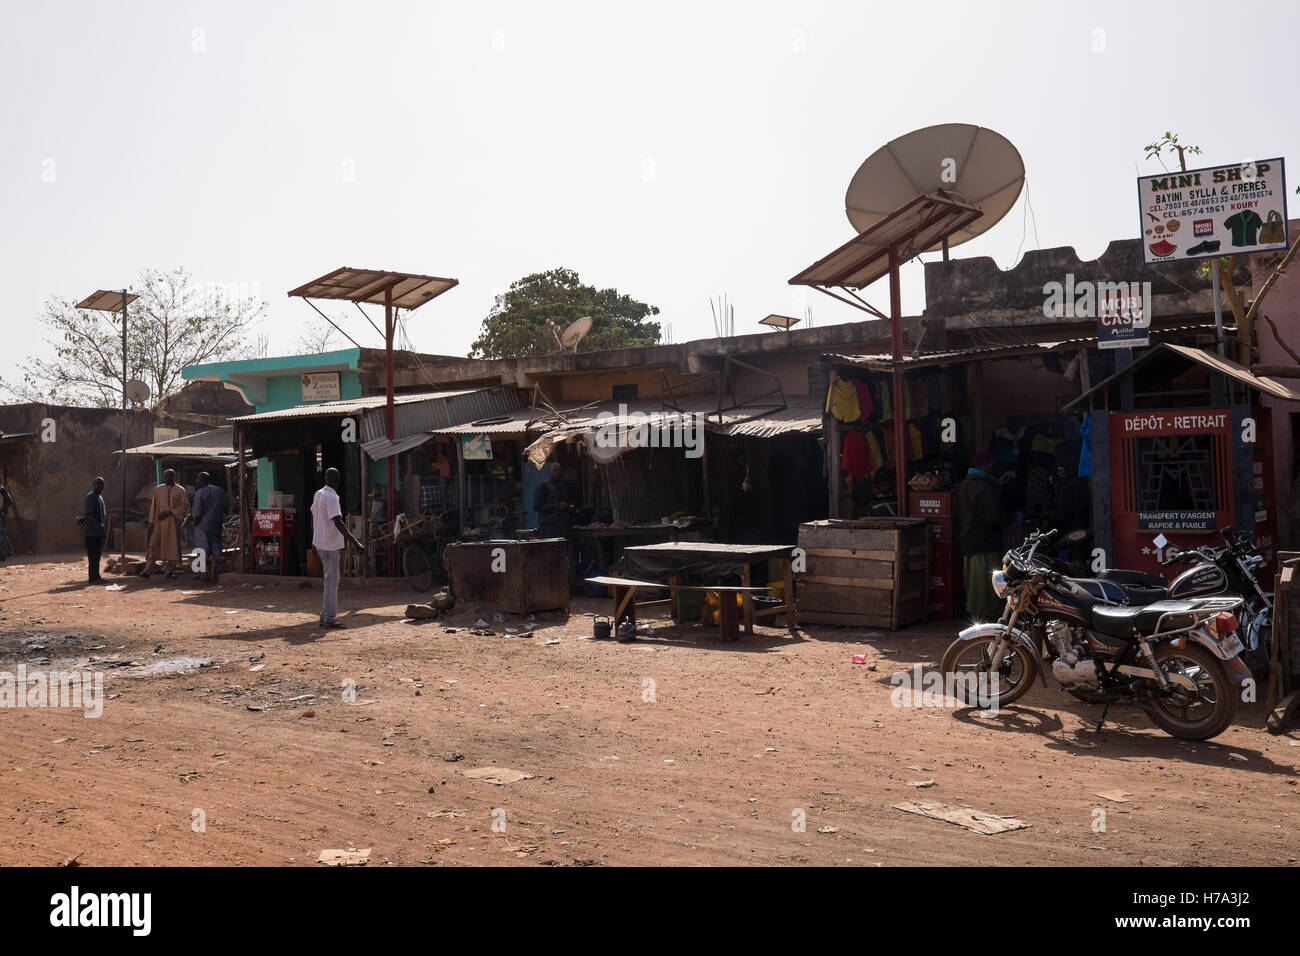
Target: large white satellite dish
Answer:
[[970, 164]]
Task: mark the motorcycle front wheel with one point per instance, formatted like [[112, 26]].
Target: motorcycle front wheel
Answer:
[[1014, 678], [1194, 716]]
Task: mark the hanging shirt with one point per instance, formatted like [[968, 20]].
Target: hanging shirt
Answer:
[[1085, 453], [855, 460], [844, 401], [866, 403]]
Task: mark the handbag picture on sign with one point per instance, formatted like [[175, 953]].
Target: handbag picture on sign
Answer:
[[1272, 230]]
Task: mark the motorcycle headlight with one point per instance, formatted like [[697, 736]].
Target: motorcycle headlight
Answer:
[[1000, 585]]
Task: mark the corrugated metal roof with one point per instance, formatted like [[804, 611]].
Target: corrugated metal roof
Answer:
[[1201, 357], [349, 406], [414, 422], [883, 362], [215, 443], [802, 414]]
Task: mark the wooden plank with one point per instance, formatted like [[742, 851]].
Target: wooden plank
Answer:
[[842, 582], [849, 568], [853, 553], [863, 540], [843, 620], [813, 596]]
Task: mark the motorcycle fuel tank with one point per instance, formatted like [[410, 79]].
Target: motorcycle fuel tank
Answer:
[[1199, 580]]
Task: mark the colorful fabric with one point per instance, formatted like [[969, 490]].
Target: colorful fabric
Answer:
[[1085, 453], [917, 450], [866, 403], [843, 402], [855, 459]]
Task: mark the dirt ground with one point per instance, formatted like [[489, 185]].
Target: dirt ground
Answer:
[[677, 749]]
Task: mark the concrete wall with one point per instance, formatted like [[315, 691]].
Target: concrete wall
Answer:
[[50, 478], [1283, 306]]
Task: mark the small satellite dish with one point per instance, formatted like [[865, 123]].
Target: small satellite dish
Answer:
[[137, 391], [571, 336], [780, 321], [970, 164]]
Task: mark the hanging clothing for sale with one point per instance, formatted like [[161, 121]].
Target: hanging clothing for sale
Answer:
[[891, 453], [855, 460], [1085, 452], [866, 403], [875, 452], [886, 392], [843, 401], [917, 451]]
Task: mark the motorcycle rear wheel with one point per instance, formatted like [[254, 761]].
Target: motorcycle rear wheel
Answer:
[[1019, 668], [1206, 714]]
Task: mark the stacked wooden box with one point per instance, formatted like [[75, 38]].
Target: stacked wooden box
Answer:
[[868, 572], [945, 585]]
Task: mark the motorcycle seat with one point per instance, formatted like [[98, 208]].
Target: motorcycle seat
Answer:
[[1120, 621], [1139, 578]]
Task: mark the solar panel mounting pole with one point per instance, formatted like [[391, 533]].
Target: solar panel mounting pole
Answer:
[[389, 418], [122, 532], [896, 343]]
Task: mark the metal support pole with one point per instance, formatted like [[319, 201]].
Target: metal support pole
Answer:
[[123, 554], [389, 417], [1218, 306], [896, 341], [245, 560]]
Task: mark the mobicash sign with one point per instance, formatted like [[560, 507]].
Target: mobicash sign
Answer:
[[1216, 211]]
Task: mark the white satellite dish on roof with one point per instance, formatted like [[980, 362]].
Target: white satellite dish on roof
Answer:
[[137, 391], [573, 334], [969, 164]]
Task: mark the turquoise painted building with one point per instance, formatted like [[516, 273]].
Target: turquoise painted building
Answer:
[[276, 384]]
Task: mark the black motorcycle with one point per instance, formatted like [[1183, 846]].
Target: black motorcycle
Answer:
[[1180, 658], [1229, 571]]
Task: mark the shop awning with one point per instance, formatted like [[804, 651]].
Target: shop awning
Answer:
[[1208, 360], [216, 443], [343, 407], [416, 415], [883, 362], [416, 422]]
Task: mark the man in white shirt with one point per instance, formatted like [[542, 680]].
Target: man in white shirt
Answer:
[[329, 535]]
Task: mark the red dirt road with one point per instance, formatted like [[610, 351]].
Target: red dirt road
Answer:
[[674, 750]]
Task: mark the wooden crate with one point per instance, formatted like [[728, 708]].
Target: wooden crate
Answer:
[[869, 572], [516, 577]]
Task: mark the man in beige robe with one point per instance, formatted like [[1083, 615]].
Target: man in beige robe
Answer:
[[167, 509]]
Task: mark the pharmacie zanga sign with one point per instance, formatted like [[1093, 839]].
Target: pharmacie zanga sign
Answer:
[[1216, 211]]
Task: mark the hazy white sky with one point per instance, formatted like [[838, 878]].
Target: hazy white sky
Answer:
[[673, 150]]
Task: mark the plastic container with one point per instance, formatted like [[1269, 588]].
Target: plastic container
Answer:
[[689, 605]]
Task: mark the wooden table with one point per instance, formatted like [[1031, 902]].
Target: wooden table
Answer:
[[677, 557], [625, 602]]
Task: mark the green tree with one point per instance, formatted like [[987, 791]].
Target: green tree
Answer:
[[174, 323], [525, 320]]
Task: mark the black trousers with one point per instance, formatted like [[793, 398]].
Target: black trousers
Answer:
[[94, 547]]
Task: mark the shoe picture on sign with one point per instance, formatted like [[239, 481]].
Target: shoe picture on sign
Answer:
[[1204, 248]]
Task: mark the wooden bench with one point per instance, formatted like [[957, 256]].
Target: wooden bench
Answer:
[[625, 602]]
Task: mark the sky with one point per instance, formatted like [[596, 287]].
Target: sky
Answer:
[[675, 151]]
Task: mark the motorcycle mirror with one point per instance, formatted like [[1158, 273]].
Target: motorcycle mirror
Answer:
[[1160, 541], [1076, 536]]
